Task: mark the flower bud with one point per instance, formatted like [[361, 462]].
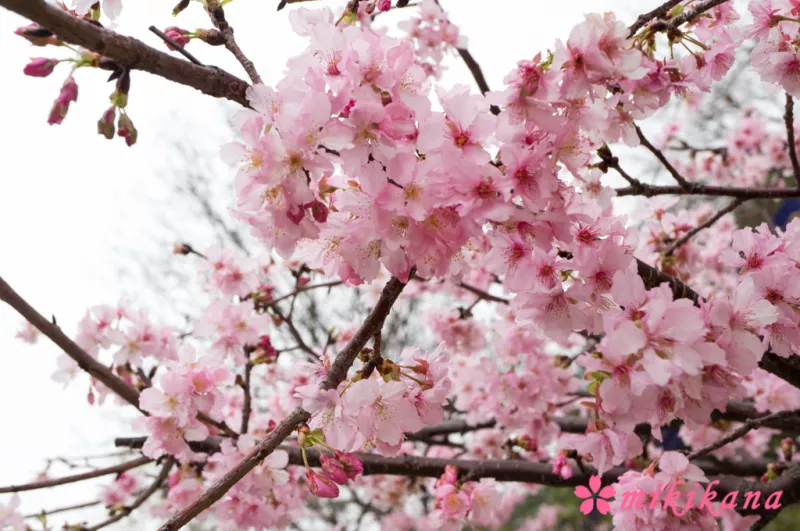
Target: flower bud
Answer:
[[384, 5], [105, 126], [296, 214], [181, 248], [180, 36], [211, 36], [319, 211], [321, 485], [40, 67], [787, 447], [127, 129], [120, 96], [37, 35], [183, 4], [69, 93]]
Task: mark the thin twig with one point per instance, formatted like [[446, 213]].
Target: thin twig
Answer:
[[743, 430], [217, 15], [483, 294], [686, 185], [659, 12], [63, 509], [248, 399], [649, 190], [143, 497], [709, 222], [47, 483], [175, 46]]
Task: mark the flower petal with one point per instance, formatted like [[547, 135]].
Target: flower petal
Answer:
[[607, 492], [594, 483], [582, 492], [587, 506], [603, 507]]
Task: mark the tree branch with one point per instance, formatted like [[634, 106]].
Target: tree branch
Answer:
[[743, 430], [659, 12], [47, 483], [130, 52], [686, 16], [686, 185], [86, 362], [689, 235], [650, 190], [336, 375], [788, 119], [217, 15], [140, 499]]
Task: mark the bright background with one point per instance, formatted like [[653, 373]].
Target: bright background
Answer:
[[76, 209]]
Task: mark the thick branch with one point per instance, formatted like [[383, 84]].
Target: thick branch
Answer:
[[687, 16], [47, 483], [130, 52], [788, 119], [477, 73], [96, 369]]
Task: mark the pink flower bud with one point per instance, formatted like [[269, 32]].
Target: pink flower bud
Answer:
[[319, 211], [105, 125], [69, 93], [127, 130], [347, 108], [352, 465], [37, 35], [296, 214], [180, 36], [321, 485], [333, 469], [40, 67], [384, 5]]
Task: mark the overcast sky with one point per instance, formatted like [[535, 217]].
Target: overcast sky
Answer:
[[70, 198]]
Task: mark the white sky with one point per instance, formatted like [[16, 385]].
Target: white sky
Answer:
[[69, 197]]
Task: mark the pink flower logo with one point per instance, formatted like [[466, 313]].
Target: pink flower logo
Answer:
[[588, 496]]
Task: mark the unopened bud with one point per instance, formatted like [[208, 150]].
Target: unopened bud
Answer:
[[127, 130], [183, 4], [180, 36], [120, 96], [69, 93], [787, 447], [37, 35], [40, 67], [296, 214], [105, 126], [319, 211], [211, 36], [181, 248]]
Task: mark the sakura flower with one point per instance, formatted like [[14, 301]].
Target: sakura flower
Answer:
[[603, 496]]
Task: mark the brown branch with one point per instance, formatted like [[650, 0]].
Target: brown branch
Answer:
[[47, 483], [477, 73], [482, 294], [140, 499], [686, 16], [248, 399], [686, 185], [86, 362], [709, 222], [659, 12], [788, 484], [217, 15], [336, 375], [788, 119], [307, 287], [743, 430], [295, 333], [650, 190], [63, 509], [130, 52]]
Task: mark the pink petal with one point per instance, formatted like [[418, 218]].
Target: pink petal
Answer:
[[594, 483], [603, 507], [607, 492], [582, 492], [587, 506]]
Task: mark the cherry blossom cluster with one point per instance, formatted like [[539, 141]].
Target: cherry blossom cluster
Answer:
[[433, 36]]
